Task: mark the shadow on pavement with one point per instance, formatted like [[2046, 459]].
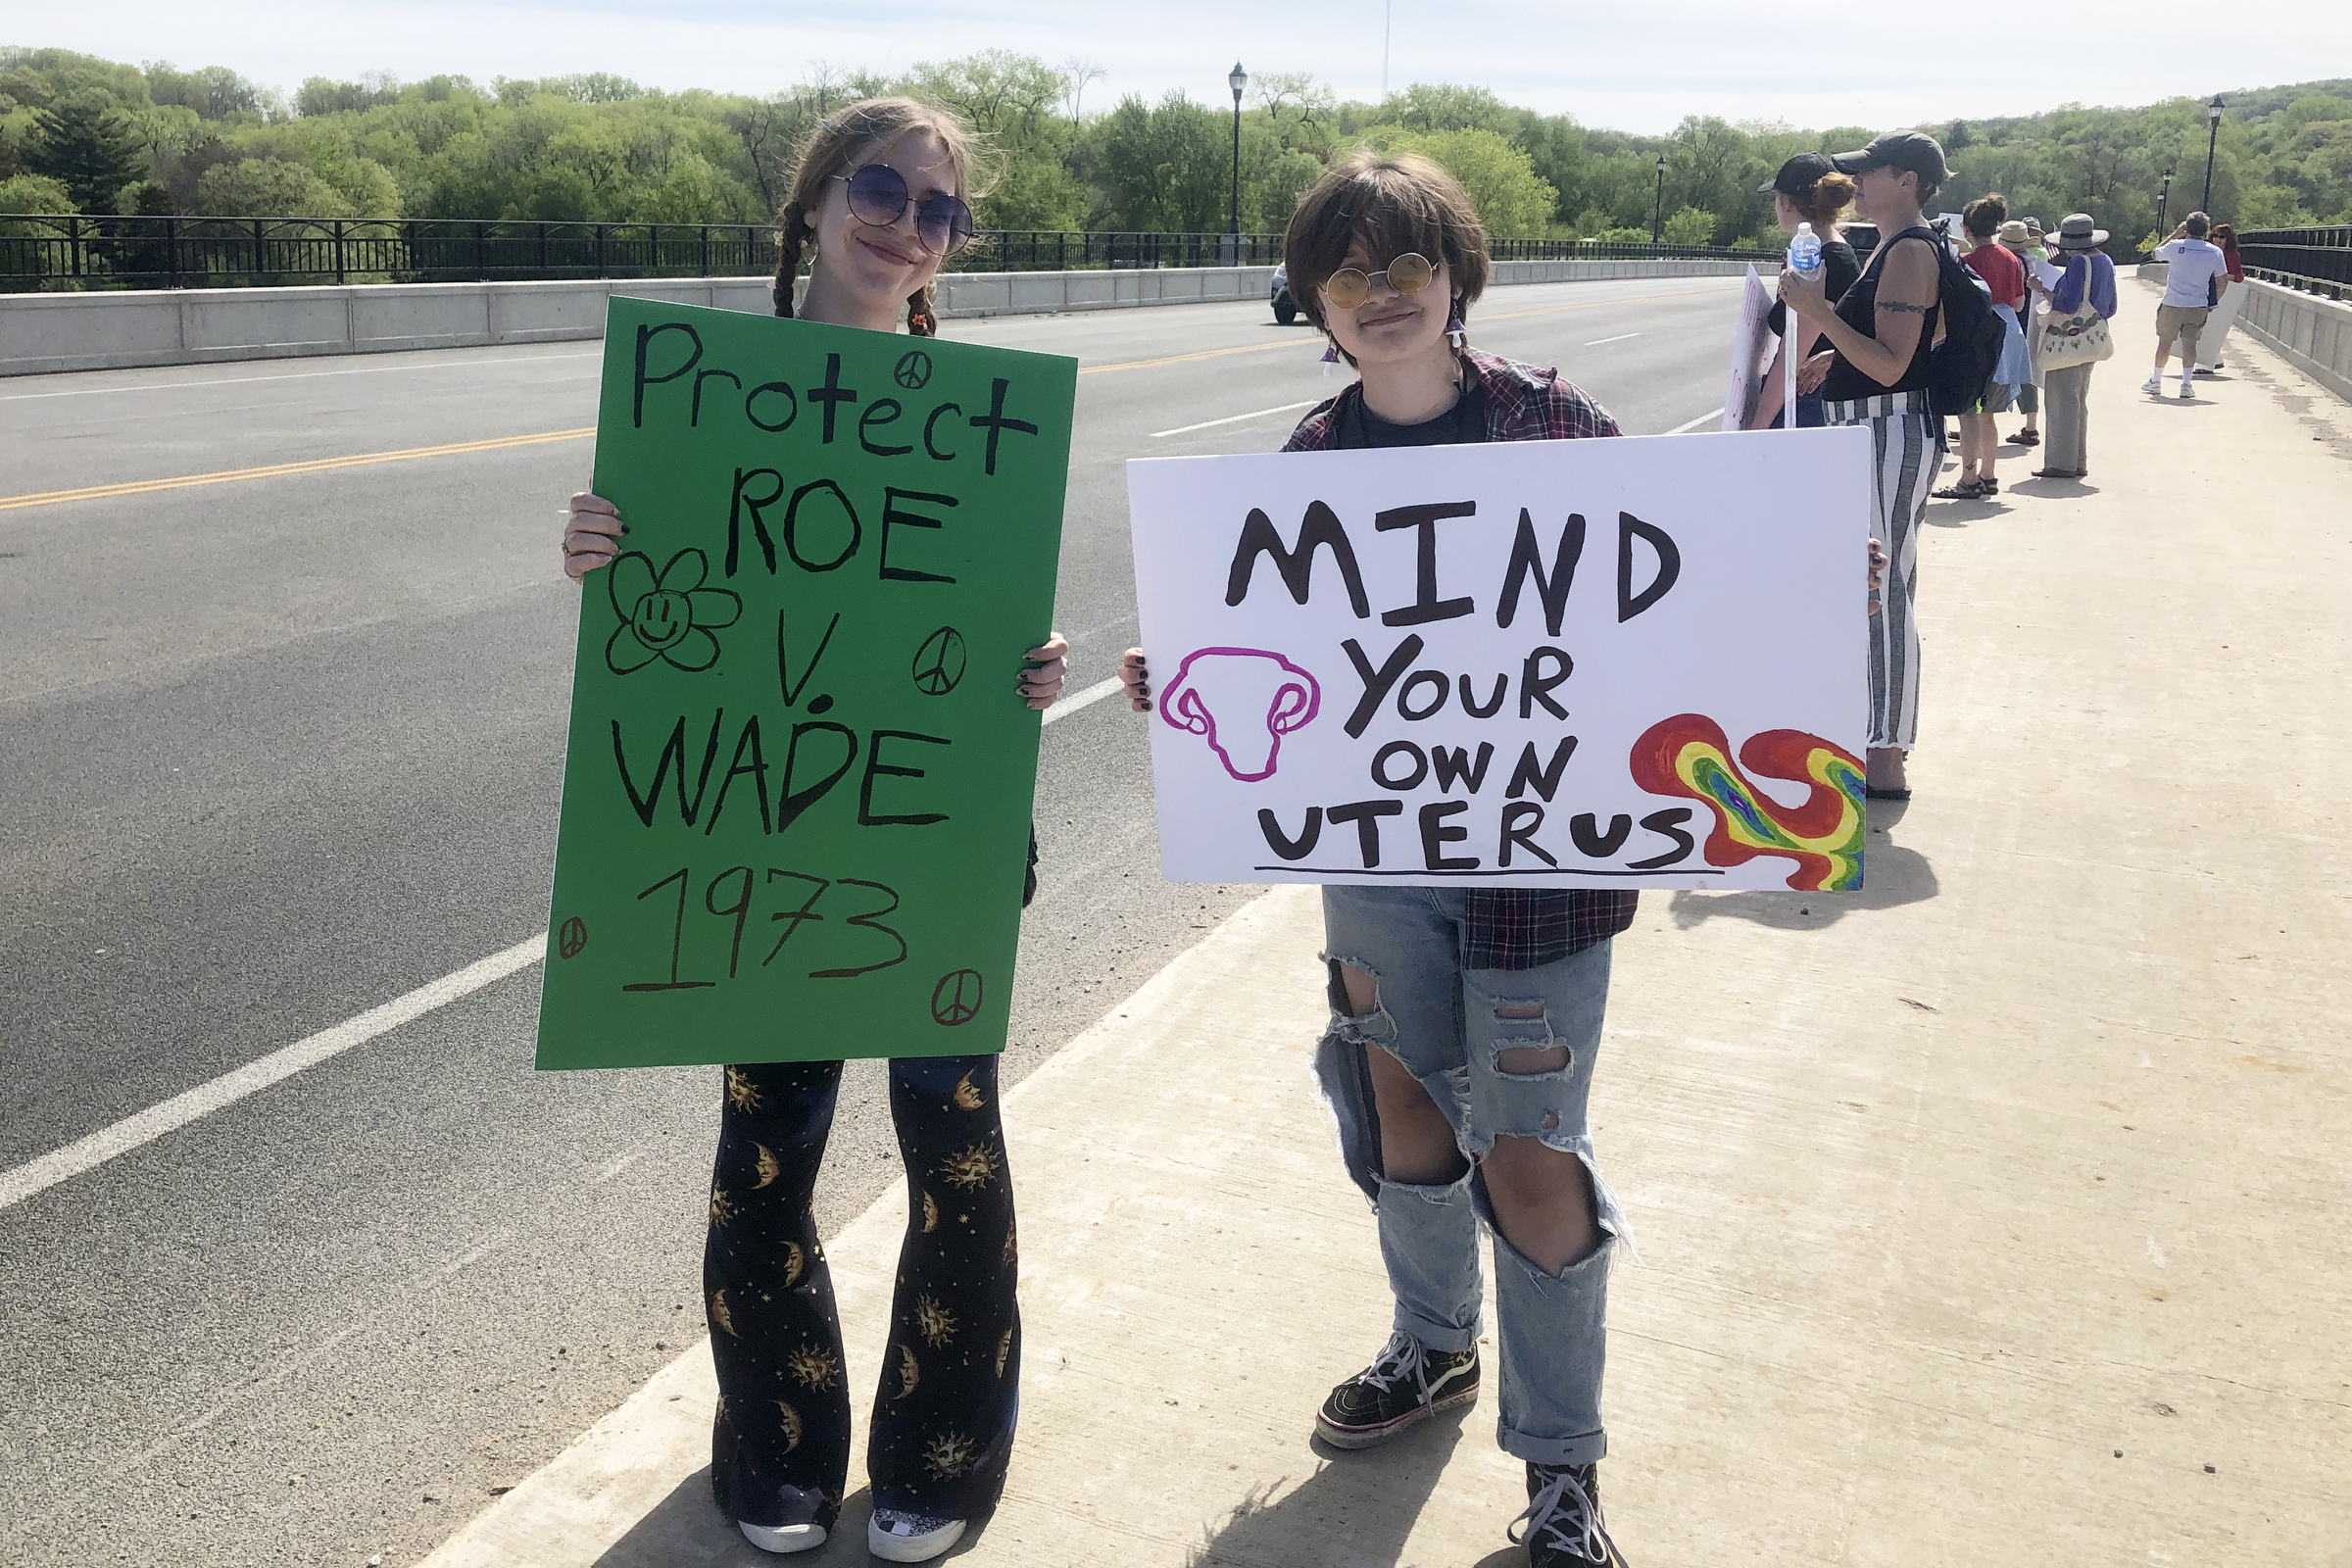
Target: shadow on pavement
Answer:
[[1356, 1511], [1891, 876], [688, 1530], [2059, 488]]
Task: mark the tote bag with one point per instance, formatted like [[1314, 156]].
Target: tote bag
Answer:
[[2079, 338]]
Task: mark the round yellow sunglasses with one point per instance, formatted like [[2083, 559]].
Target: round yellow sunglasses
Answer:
[[1350, 286]]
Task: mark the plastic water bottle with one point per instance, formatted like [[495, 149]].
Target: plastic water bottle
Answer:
[[1805, 259], [1804, 253]]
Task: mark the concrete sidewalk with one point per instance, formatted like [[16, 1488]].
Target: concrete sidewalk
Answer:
[[1994, 1214]]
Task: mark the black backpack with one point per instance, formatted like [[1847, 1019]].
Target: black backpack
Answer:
[[1960, 367]]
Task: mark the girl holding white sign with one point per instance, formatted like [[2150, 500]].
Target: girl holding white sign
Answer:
[[1463, 1020], [881, 193]]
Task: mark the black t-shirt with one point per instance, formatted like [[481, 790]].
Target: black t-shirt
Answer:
[[1463, 424], [1840, 267]]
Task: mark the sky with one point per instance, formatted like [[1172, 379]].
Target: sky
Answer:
[[1628, 64]]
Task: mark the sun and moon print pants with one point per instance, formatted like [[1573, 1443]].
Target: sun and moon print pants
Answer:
[[943, 1415]]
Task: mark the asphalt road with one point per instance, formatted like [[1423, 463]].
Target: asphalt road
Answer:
[[276, 750]]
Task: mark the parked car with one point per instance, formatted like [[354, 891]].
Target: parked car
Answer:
[[1286, 309]]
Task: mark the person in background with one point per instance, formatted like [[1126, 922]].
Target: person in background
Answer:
[[1880, 335], [2022, 238], [1806, 190], [2195, 275], [2088, 279], [2005, 279], [2224, 235]]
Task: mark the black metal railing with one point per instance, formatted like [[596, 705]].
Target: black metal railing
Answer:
[[39, 251], [2317, 260]]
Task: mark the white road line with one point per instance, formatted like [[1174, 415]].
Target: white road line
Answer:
[[1086, 699], [87, 1154], [1235, 418], [1685, 430], [1619, 338], [295, 375]]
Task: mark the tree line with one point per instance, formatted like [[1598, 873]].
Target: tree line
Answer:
[[79, 133]]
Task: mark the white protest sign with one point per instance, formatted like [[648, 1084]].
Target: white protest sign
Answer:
[[1748, 345], [2218, 322], [1572, 663]]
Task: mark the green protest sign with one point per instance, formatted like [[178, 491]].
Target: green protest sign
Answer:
[[798, 787]]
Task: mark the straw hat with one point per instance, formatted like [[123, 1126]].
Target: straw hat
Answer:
[[2075, 234], [2013, 232]]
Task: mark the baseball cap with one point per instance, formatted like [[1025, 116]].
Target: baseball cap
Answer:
[[1797, 175], [1897, 149]]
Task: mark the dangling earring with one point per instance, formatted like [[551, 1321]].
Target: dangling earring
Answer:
[[1455, 331], [1331, 356]]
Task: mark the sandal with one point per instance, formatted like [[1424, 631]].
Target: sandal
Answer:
[[1988, 487], [1965, 490], [2027, 438]]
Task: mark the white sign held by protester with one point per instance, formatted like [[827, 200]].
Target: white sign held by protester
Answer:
[[1632, 663], [2218, 322], [1750, 352]]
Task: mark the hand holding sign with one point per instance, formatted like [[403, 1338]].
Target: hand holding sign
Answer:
[[787, 812], [1562, 663]]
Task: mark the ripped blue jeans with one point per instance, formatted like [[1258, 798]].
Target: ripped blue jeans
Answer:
[[1448, 1025]]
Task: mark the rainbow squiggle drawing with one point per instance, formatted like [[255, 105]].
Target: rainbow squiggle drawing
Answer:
[[1689, 754]]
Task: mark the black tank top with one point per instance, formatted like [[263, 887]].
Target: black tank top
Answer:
[[1858, 309]]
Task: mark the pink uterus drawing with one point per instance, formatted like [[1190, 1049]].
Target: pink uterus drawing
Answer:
[[1242, 701]]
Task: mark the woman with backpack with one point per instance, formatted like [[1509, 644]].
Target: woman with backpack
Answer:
[[880, 196], [2005, 281], [1880, 336]]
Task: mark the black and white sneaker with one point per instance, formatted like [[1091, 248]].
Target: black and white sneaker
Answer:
[[1408, 1383], [1563, 1524]]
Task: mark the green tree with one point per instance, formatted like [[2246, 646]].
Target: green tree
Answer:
[[1689, 226], [1162, 165], [1429, 107], [87, 146], [268, 187], [1512, 200], [210, 92]]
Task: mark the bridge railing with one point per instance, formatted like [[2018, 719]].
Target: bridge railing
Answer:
[[2317, 260], [42, 251]]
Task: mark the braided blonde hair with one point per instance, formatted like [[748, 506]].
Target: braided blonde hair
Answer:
[[839, 138]]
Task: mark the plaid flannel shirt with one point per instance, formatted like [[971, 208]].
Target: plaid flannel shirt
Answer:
[[1513, 928]]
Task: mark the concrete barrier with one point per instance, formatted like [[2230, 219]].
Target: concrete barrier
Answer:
[[100, 330], [2312, 333]]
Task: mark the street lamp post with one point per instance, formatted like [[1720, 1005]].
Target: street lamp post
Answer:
[[2164, 205], [1657, 217], [2213, 114], [1236, 80]]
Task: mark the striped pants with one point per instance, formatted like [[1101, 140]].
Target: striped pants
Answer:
[[1904, 459]]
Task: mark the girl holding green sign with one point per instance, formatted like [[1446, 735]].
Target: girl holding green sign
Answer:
[[881, 194]]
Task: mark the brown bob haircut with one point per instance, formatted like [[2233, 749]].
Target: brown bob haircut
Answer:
[[1387, 206]]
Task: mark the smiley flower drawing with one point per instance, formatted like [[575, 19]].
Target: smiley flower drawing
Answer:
[[666, 616]]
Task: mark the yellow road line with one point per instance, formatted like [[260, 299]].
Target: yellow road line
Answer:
[[137, 487], [134, 487]]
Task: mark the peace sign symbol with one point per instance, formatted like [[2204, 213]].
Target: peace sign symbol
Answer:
[[956, 998], [939, 663], [914, 369], [573, 937]]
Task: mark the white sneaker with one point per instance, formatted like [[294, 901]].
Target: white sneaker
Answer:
[[896, 1536], [2188, 393], [2153, 387], [783, 1539]]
